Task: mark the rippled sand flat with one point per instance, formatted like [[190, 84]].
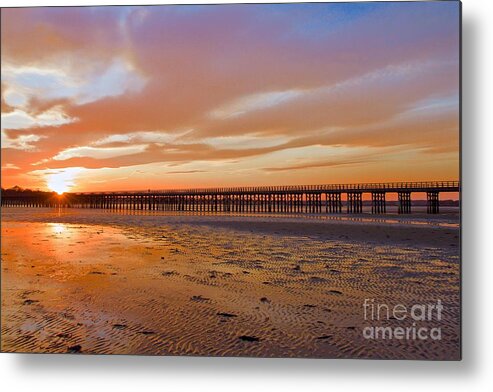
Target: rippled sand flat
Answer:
[[97, 282]]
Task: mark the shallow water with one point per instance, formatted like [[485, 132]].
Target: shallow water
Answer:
[[449, 217], [192, 285]]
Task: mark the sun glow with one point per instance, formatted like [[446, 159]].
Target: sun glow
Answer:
[[58, 184], [62, 181], [58, 228]]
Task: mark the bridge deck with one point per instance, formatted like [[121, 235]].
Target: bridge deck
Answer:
[[301, 199]]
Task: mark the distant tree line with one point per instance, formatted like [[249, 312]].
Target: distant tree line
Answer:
[[18, 191]]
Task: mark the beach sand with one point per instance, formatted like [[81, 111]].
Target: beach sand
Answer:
[[86, 281]]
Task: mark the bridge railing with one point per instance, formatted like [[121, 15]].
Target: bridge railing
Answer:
[[422, 186]]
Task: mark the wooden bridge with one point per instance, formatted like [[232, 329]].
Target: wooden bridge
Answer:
[[312, 199]]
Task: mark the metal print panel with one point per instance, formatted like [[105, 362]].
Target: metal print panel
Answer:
[[262, 180]]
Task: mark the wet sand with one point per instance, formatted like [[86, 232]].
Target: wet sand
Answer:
[[101, 282]]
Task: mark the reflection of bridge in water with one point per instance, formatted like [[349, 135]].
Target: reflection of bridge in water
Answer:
[[271, 199]]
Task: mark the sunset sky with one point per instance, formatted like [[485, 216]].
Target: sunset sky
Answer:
[[126, 98]]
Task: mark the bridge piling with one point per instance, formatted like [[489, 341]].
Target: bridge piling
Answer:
[[404, 202], [378, 203], [433, 204], [354, 203]]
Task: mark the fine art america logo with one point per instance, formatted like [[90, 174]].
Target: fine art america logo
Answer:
[[416, 319]]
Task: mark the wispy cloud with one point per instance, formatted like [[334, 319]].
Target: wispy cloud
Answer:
[[255, 102], [139, 137], [98, 152], [10, 166], [19, 119], [82, 82], [21, 142]]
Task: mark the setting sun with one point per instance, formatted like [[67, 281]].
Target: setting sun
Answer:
[[61, 181], [57, 185]]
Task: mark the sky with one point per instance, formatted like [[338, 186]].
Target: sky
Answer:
[[160, 97]]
